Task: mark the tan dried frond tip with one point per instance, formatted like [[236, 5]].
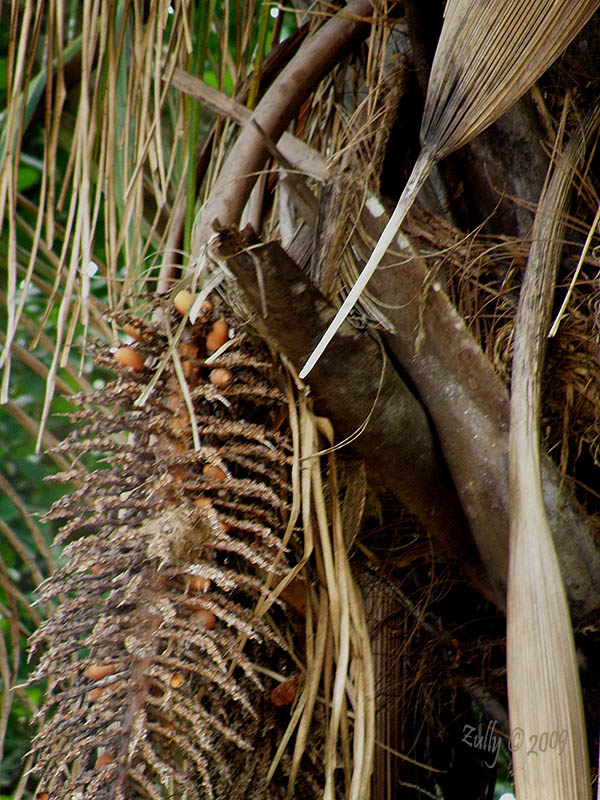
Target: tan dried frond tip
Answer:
[[149, 692], [544, 691]]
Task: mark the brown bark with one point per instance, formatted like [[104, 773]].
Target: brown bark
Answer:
[[281, 103], [467, 403], [397, 443], [469, 408]]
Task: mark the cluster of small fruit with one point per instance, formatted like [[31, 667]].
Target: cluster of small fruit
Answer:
[[148, 684]]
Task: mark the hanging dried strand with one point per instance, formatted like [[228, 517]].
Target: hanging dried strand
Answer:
[[488, 55], [117, 104]]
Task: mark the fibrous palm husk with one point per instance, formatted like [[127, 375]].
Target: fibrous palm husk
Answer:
[[543, 680], [467, 402], [488, 55]]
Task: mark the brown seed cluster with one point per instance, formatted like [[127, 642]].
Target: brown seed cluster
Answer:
[[162, 588]]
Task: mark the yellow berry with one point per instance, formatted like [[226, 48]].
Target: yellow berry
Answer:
[[217, 336], [103, 760], [214, 473], [221, 377], [96, 672], [128, 357], [177, 680], [182, 301]]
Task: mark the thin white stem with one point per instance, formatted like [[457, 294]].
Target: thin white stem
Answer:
[[417, 178]]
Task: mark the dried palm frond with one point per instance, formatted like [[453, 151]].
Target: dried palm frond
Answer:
[[543, 680], [108, 112], [160, 658], [488, 55]]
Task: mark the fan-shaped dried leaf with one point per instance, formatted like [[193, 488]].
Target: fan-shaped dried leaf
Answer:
[[488, 55]]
